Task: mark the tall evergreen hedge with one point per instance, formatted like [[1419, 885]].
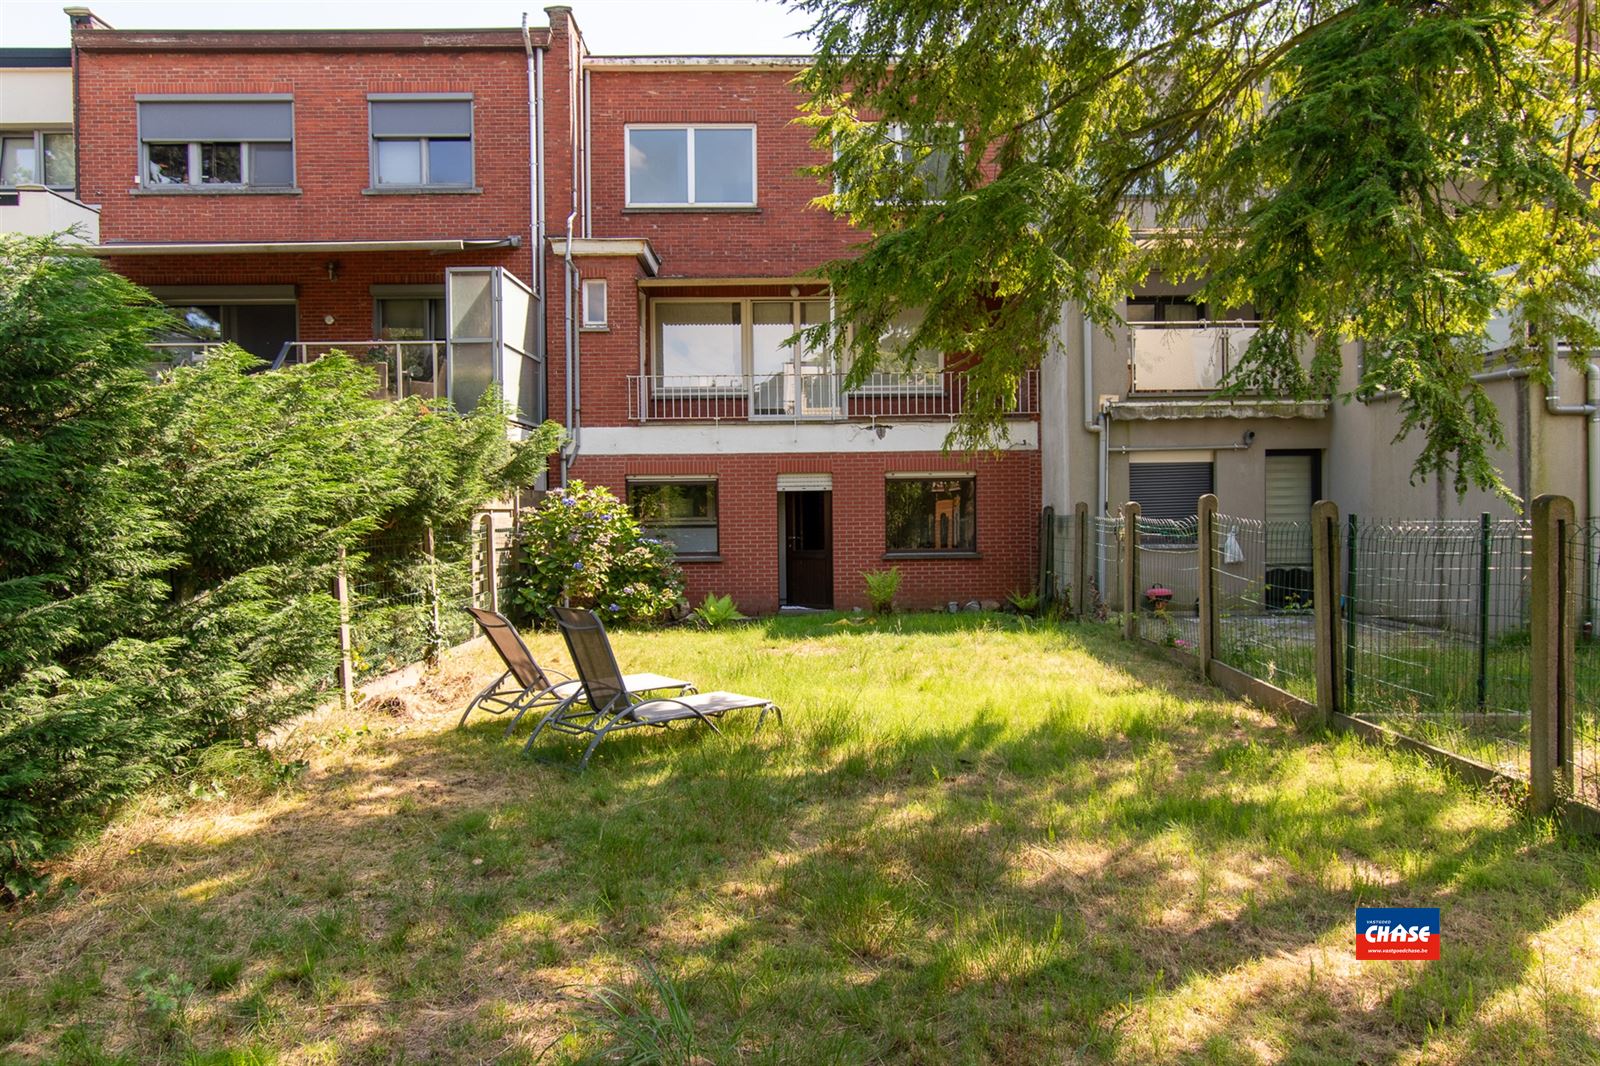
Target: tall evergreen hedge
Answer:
[[166, 546]]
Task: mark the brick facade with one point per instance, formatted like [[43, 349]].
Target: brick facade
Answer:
[[761, 252], [1007, 495]]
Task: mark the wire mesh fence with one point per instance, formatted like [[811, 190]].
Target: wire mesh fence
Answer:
[[1058, 548], [406, 591], [1168, 597], [1266, 625], [1436, 633], [1104, 598], [1583, 588]]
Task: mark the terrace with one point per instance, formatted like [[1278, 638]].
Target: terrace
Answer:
[[804, 394]]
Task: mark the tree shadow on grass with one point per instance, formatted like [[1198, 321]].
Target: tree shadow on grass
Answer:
[[981, 891]]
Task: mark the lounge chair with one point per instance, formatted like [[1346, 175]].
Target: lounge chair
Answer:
[[615, 703], [526, 686]]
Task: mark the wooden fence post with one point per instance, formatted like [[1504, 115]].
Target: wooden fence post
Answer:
[[347, 667], [435, 633], [1553, 638], [1080, 560], [1206, 577], [1325, 605], [1130, 570], [491, 564], [1047, 568]]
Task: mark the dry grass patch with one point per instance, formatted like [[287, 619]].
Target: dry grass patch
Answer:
[[974, 840]]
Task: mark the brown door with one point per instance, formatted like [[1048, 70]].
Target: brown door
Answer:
[[808, 548]]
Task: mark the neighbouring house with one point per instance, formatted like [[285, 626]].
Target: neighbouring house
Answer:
[[621, 244], [625, 244], [38, 157], [298, 191]]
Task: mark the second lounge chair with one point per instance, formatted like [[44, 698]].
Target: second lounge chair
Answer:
[[614, 702]]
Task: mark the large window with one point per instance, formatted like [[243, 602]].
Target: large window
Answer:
[[242, 142], [1164, 309], [37, 157], [931, 513], [717, 344], [421, 143], [691, 166], [681, 512], [929, 155]]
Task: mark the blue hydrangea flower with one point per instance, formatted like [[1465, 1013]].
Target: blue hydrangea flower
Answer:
[[578, 565], [568, 501], [615, 608]]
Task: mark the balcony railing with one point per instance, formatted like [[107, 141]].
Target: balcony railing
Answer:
[[811, 396], [404, 368], [1185, 356]]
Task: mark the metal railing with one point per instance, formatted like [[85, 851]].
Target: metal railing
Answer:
[[404, 368], [1185, 356], [806, 395]]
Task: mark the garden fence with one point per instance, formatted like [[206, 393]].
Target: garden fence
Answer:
[[400, 595], [1473, 641]]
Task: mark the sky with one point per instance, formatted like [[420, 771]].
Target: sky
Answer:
[[612, 27]]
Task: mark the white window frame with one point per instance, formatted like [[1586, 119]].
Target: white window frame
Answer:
[[422, 142], [690, 128], [590, 286], [38, 134], [747, 347], [194, 181]]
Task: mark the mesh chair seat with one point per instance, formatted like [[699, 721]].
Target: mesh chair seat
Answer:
[[613, 702], [526, 686]]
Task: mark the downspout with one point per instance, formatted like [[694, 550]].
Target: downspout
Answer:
[[536, 194], [588, 179], [1094, 423], [574, 402], [1591, 512], [1091, 417]]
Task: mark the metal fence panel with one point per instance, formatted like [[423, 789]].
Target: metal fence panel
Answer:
[[1265, 623], [1060, 551], [1436, 632], [1105, 570], [1584, 588], [1169, 576]]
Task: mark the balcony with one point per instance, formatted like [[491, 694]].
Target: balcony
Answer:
[[1178, 357], [808, 395], [404, 368]]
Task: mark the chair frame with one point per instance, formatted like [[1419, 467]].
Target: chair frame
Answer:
[[610, 706]]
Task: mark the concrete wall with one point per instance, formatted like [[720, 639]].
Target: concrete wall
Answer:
[[39, 211]]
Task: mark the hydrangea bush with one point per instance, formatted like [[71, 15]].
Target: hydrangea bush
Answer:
[[581, 546]]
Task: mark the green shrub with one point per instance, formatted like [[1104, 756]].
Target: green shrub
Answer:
[[881, 588], [581, 547], [717, 611], [167, 547], [1023, 602]]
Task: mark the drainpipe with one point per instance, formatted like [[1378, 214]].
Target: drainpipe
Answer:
[[574, 402], [1091, 417], [536, 194], [1591, 410]]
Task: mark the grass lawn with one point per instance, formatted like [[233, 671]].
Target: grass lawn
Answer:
[[971, 842]]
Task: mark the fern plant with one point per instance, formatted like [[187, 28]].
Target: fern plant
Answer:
[[882, 585], [717, 611]]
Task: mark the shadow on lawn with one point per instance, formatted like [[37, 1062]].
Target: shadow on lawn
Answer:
[[970, 893]]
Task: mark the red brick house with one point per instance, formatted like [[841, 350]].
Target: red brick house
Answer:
[[693, 257], [295, 191], [623, 244]]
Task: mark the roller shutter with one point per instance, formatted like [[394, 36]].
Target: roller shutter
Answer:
[[1168, 490]]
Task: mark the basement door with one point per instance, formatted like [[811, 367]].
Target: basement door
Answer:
[[808, 549]]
